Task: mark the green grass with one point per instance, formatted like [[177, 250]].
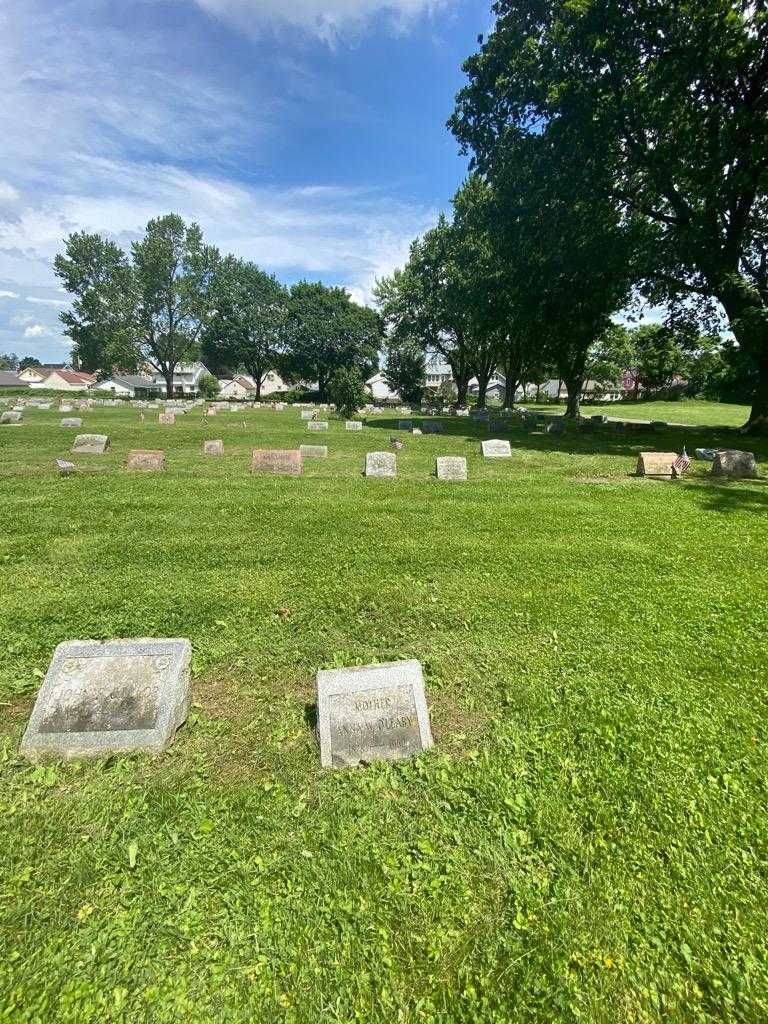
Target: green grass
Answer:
[[587, 842], [689, 411]]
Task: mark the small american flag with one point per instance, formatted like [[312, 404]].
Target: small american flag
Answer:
[[681, 463]]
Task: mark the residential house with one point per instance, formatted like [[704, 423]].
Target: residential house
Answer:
[[186, 379], [239, 387], [11, 379], [379, 388], [37, 374], [131, 385], [65, 380]]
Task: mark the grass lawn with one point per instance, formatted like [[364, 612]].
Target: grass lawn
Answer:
[[588, 840], [705, 414]]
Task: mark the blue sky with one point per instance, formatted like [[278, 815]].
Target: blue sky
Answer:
[[306, 135]]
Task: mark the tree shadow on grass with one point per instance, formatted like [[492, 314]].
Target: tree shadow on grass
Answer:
[[736, 496]]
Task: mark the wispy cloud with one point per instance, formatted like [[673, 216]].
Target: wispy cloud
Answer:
[[35, 331], [8, 295]]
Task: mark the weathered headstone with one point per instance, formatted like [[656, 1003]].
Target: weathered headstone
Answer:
[[496, 449], [13, 416], [65, 468], [105, 698], [213, 447], [383, 464], [307, 414], [167, 418], [65, 407], [148, 459], [416, 431], [374, 713], [317, 425], [71, 421], [313, 451], [353, 425], [657, 464], [451, 467], [735, 464], [90, 444], [276, 461]]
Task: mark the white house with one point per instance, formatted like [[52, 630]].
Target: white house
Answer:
[[379, 388], [272, 383], [437, 373], [129, 385], [240, 387], [186, 379], [37, 374]]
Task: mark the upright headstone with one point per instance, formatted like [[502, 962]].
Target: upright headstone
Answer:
[[496, 449], [167, 418], [313, 451], [735, 464], [71, 421], [307, 414], [106, 698], [657, 464], [451, 467], [213, 447], [276, 462], [147, 459], [353, 425], [383, 464], [90, 444], [11, 417], [374, 713], [317, 425]]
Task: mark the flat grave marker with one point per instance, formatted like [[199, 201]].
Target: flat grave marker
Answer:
[[149, 460], [276, 461], [317, 425], [353, 425], [90, 444], [307, 414], [495, 448], [110, 697], [313, 451], [71, 421], [13, 416], [656, 464], [381, 464], [374, 713], [166, 418], [213, 447], [451, 467], [65, 468]]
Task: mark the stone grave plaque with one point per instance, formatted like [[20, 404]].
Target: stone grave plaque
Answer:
[[65, 407], [735, 464], [65, 468], [14, 416], [71, 421], [44, 406], [431, 427], [416, 431], [167, 418], [317, 425], [451, 467], [353, 425], [213, 447], [307, 414], [404, 425], [374, 713], [276, 461], [101, 698], [210, 412], [147, 459], [313, 451], [383, 464], [656, 464], [496, 449], [90, 444]]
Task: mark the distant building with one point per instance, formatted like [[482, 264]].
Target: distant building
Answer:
[[186, 379], [10, 379], [379, 388], [65, 380], [37, 374], [131, 385], [238, 387]]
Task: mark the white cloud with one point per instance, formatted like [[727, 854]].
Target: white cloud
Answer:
[[330, 20], [35, 331], [8, 193], [21, 321], [46, 302], [8, 295]]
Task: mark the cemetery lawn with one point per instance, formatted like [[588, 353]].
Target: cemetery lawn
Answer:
[[688, 411], [587, 841]]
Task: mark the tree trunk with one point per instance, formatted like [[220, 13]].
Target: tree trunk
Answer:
[[321, 386], [538, 393], [510, 389], [257, 382], [758, 416], [746, 315], [559, 389], [574, 386], [482, 388], [168, 374]]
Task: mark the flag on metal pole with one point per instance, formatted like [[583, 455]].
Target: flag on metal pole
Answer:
[[681, 463]]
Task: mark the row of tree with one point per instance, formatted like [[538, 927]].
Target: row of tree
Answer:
[[617, 151], [173, 299]]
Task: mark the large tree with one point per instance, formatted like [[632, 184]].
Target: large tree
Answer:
[[670, 102], [327, 330], [405, 368], [248, 326]]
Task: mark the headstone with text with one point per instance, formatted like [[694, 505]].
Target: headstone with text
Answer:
[[313, 451], [317, 425], [451, 467], [276, 461], [374, 713], [495, 448], [147, 459], [381, 464], [90, 444], [353, 425], [101, 698], [71, 421], [656, 464], [213, 447]]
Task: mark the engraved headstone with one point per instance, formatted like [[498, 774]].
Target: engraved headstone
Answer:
[[735, 464], [213, 447], [147, 459], [374, 713], [353, 425], [65, 468], [13, 416], [307, 414], [65, 407], [313, 451], [656, 464], [416, 431], [167, 418], [451, 467], [317, 425], [276, 462], [496, 449], [102, 698], [90, 444], [383, 464], [71, 421]]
